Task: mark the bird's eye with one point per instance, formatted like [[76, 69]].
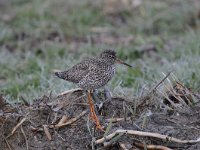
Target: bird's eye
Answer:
[[110, 56]]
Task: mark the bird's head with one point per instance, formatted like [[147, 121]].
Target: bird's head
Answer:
[[110, 57]]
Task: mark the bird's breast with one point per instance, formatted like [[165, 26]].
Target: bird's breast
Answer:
[[111, 71]]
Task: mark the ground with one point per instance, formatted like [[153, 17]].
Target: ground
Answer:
[[159, 38], [42, 127]]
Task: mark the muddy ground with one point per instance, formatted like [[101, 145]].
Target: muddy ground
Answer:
[[36, 126]]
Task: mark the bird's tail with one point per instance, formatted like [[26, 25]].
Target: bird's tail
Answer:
[[60, 74]]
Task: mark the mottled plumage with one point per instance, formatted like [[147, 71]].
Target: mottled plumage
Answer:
[[92, 73]]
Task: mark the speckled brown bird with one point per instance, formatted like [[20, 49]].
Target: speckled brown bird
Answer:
[[93, 73]]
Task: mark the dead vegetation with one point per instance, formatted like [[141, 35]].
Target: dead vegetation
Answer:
[[62, 122]]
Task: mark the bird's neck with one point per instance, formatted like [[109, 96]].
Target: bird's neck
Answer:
[[107, 62]]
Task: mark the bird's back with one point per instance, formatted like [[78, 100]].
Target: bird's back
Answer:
[[100, 73], [91, 73], [77, 72]]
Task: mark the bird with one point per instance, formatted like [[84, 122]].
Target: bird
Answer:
[[91, 74]]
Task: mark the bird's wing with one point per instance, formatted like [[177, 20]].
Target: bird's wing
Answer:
[[99, 74], [77, 72]]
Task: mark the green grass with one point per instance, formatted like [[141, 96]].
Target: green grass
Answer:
[[39, 36]]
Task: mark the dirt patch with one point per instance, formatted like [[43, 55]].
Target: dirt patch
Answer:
[[35, 126]]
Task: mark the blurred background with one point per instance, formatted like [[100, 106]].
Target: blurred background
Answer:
[[38, 36]]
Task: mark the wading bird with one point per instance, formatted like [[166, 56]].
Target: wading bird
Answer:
[[91, 74]]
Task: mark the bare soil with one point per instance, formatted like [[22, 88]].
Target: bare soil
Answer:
[[39, 132]]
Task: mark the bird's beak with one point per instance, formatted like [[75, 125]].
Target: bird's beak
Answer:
[[121, 62]]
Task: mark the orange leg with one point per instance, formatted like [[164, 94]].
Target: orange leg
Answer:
[[93, 115]]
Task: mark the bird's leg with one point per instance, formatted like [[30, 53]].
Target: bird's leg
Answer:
[[107, 94], [93, 115], [92, 109]]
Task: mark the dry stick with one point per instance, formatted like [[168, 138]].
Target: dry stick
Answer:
[[161, 81], [25, 137], [46, 131], [62, 120], [151, 147], [122, 146], [141, 100], [146, 134], [91, 134], [149, 93], [8, 145], [178, 97], [60, 136], [16, 127], [69, 121], [113, 120], [69, 91], [171, 102]]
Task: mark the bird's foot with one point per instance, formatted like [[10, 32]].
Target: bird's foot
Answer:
[[99, 127]]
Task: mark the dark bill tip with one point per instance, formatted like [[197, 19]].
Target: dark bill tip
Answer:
[[121, 62]]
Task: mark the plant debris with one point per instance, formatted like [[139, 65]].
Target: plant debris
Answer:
[[62, 122]]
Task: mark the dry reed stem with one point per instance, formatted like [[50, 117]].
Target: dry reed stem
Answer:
[[151, 147], [70, 121], [16, 127], [113, 120], [122, 146], [25, 137], [146, 134], [69, 91], [62, 120]]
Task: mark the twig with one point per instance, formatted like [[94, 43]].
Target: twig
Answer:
[[171, 102], [83, 104], [122, 146], [146, 134], [91, 134], [33, 129], [60, 136], [8, 145], [69, 91], [177, 97], [46, 131], [16, 127], [161, 81], [112, 141], [25, 137], [113, 120], [62, 120], [151, 147], [69, 121]]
